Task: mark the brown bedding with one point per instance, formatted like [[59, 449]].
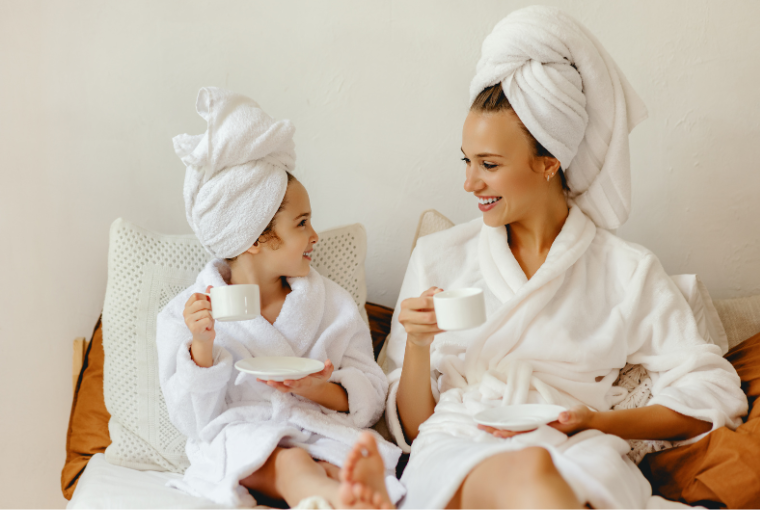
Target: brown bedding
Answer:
[[722, 470], [88, 422]]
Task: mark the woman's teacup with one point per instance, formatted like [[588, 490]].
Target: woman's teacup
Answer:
[[460, 308], [235, 302]]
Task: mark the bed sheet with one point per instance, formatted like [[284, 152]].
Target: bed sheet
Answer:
[[104, 485]]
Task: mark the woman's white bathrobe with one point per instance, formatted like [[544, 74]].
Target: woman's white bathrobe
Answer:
[[561, 337], [233, 423]]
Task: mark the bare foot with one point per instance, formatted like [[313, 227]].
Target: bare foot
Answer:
[[363, 476]]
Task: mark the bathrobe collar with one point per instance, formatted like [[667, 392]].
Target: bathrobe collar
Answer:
[[503, 274], [295, 330], [522, 299]]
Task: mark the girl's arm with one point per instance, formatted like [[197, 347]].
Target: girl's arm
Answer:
[[415, 399], [193, 372]]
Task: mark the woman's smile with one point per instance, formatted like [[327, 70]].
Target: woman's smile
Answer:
[[487, 203], [307, 254]]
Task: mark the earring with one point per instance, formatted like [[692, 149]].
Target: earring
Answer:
[[548, 177]]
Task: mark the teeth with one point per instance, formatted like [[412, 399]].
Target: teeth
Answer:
[[486, 201]]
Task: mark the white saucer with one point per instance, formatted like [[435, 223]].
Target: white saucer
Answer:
[[519, 418], [279, 368]]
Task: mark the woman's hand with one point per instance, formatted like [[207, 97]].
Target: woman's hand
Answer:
[[199, 321], [310, 386], [417, 315], [570, 422], [574, 420]]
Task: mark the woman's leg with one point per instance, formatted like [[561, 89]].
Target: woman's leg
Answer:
[[290, 474], [521, 479]]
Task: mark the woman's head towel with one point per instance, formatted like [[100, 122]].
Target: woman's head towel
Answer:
[[570, 94], [236, 171]]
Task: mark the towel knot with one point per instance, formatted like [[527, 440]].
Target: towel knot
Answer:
[[236, 171], [238, 131]]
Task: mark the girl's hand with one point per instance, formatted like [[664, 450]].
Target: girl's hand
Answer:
[[418, 318], [197, 314], [574, 420], [502, 433], [309, 387]]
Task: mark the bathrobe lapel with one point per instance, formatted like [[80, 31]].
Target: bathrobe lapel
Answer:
[[522, 299], [295, 330], [302, 313]]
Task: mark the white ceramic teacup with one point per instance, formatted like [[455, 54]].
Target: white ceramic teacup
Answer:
[[239, 302], [460, 308]]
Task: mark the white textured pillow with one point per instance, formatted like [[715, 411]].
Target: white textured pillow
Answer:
[[145, 271]]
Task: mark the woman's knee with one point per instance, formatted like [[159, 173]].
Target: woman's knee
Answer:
[[534, 461], [528, 465], [514, 473]]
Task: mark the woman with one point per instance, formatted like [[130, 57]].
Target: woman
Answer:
[[569, 304]]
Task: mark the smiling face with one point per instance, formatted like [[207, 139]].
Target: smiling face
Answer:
[[289, 253], [503, 171]]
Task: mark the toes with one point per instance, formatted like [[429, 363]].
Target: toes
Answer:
[[347, 471], [367, 494], [346, 494]]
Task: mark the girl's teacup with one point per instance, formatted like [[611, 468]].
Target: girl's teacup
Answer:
[[235, 302], [460, 308]]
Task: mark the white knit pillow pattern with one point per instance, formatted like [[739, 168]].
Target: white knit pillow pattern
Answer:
[[145, 271]]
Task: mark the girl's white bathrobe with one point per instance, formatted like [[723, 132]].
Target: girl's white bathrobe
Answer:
[[234, 423], [561, 337]]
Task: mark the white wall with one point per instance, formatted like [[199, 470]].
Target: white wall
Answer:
[[91, 93]]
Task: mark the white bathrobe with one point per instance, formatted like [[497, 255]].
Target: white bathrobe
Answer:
[[561, 337], [234, 423]]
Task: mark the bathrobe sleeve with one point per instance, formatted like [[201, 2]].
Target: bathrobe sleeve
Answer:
[[688, 374], [413, 286], [194, 395], [362, 378], [349, 346]]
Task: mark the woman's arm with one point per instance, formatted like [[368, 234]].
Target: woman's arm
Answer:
[[648, 422], [415, 399]]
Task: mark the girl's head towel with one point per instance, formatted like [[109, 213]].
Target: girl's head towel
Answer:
[[570, 94], [236, 171]]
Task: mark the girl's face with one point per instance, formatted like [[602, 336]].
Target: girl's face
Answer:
[[503, 173], [296, 235]]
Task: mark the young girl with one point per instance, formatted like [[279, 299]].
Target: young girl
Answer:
[[280, 440]]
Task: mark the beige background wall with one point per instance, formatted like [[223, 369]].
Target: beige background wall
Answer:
[[91, 93]]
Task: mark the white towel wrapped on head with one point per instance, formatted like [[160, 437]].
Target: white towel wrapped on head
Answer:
[[573, 98], [236, 171]]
